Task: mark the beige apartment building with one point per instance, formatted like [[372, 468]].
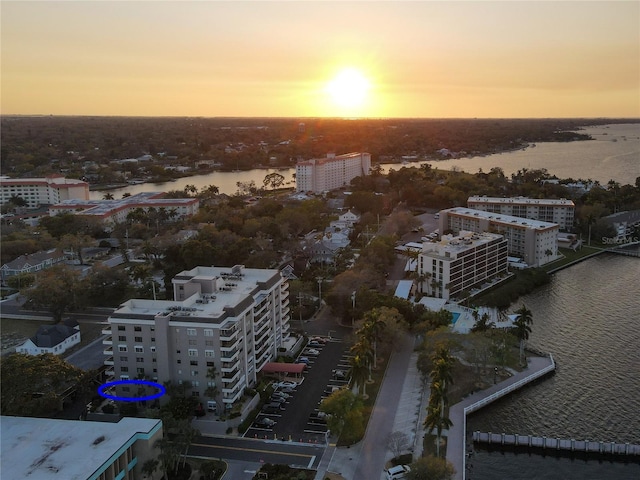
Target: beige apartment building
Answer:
[[535, 242], [42, 191], [222, 327], [560, 211]]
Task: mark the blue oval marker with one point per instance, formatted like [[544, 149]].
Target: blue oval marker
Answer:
[[161, 390]]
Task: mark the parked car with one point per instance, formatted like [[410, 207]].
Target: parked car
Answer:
[[303, 360], [280, 394], [272, 407], [314, 343], [278, 400], [339, 374], [311, 351], [398, 472], [265, 422], [321, 340], [285, 384]]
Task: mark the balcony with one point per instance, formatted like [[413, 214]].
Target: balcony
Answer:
[[285, 303], [107, 331], [228, 367], [107, 341], [109, 361], [110, 373], [230, 356], [231, 378], [227, 346], [108, 352], [229, 335]]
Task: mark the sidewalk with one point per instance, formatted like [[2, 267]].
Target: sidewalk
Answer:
[[408, 416]]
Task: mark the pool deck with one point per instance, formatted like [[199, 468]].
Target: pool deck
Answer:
[[456, 438]]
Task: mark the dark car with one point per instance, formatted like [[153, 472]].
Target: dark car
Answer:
[[265, 422], [272, 407]]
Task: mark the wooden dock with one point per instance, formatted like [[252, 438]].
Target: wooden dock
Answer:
[[545, 443]]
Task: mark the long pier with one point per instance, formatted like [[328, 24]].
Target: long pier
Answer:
[[456, 437], [548, 443]]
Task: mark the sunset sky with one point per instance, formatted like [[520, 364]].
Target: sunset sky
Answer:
[[281, 59]]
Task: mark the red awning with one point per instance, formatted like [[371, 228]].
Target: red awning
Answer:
[[280, 367]]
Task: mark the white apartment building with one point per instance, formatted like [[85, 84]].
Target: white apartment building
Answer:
[[560, 211], [232, 320], [459, 263], [323, 174], [111, 212], [42, 191], [535, 242]]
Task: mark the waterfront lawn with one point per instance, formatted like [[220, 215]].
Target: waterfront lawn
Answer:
[[570, 256]]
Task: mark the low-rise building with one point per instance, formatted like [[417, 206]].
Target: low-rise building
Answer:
[[31, 263], [43, 448], [222, 327], [560, 211], [111, 212], [55, 339], [534, 241], [458, 263]]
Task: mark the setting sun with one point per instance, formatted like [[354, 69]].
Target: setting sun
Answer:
[[349, 88]]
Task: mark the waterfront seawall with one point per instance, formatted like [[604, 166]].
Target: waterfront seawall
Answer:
[[456, 440]]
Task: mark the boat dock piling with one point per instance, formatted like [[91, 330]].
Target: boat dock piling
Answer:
[[545, 443]]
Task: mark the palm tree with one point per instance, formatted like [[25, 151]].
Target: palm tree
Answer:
[[359, 368], [482, 323], [372, 329], [523, 327], [441, 378]]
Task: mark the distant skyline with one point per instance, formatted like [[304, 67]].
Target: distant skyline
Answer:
[[422, 59]]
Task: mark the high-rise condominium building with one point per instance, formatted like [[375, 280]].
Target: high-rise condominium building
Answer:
[[534, 241], [458, 263], [323, 174], [560, 211], [223, 325], [42, 191]]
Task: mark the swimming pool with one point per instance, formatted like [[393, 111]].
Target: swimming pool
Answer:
[[456, 316]]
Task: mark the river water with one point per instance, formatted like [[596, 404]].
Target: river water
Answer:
[[601, 159], [588, 317]]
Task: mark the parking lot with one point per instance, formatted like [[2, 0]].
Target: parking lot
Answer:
[[292, 414]]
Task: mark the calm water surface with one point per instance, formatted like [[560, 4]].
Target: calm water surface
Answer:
[[589, 318], [600, 159]]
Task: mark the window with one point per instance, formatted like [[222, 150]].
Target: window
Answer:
[[193, 352], [138, 339], [154, 360], [122, 338], [139, 359], [191, 331], [208, 332], [208, 343], [124, 377], [193, 342], [139, 349], [137, 329], [195, 394], [210, 364], [125, 389], [209, 353], [194, 373], [178, 361], [195, 383], [152, 348], [124, 369], [211, 383], [122, 348], [194, 363], [140, 371], [121, 328], [124, 359], [153, 339]]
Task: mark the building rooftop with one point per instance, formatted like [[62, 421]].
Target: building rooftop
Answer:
[[105, 207], [504, 219], [521, 200], [233, 291], [42, 448], [454, 245]]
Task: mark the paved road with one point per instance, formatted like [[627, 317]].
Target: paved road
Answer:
[[250, 451]]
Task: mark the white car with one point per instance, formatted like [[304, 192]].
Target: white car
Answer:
[[398, 472], [285, 384], [311, 351]]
